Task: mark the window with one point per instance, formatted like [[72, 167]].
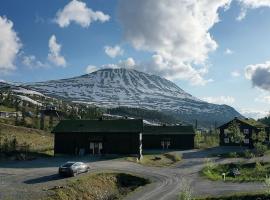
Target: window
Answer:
[[246, 131], [246, 141], [226, 140], [226, 131]]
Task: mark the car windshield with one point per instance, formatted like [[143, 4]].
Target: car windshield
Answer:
[[69, 164]]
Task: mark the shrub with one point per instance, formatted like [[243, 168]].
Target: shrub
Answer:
[[232, 155], [173, 156], [248, 154], [209, 165], [259, 168], [260, 149], [267, 185]]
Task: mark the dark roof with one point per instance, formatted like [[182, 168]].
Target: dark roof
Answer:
[[248, 121], [174, 130], [99, 126]]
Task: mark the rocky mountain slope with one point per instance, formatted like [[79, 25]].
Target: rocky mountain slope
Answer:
[[131, 88]]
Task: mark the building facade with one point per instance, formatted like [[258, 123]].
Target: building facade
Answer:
[[248, 127], [168, 137], [80, 137]]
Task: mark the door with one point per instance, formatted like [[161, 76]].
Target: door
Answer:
[[96, 147], [165, 143]]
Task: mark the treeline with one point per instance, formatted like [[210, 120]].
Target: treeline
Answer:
[[150, 115], [265, 120]]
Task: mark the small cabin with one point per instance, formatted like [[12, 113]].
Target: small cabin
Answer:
[[247, 126], [168, 137]]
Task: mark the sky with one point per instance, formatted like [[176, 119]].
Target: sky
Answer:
[[215, 50]]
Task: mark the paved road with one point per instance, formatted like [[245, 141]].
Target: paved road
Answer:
[[31, 179]]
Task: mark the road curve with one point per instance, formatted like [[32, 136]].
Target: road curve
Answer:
[[27, 179]]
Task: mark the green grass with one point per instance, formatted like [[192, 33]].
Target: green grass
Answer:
[[158, 160], [249, 172], [99, 186], [39, 142], [7, 109], [239, 196]]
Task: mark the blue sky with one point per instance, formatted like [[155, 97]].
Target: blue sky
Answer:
[[216, 51]]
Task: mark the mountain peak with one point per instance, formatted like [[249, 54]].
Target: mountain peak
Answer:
[[132, 88]]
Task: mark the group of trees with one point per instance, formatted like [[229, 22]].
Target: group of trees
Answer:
[[236, 136]]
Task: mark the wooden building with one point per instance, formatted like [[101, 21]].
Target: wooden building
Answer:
[[248, 127], [168, 137], [81, 137]]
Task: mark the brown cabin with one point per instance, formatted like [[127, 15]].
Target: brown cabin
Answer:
[[248, 127]]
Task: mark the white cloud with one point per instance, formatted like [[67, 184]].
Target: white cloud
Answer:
[[90, 68], [175, 31], [253, 113], [114, 51], [78, 12], [228, 51], [251, 4], [55, 53], [32, 62], [10, 45], [263, 98], [220, 100], [259, 74], [235, 73], [129, 63]]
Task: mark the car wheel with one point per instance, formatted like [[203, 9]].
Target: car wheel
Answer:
[[74, 174]]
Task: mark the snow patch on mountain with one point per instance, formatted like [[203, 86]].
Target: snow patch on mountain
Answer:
[[131, 88]]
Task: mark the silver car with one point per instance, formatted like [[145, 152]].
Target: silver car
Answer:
[[73, 168]]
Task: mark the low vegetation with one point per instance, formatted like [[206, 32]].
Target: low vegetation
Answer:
[[206, 140], [242, 196], [20, 142], [158, 160], [99, 186], [7, 109], [247, 171], [242, 154]]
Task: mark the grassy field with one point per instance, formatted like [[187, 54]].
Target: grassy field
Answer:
[[38, 141], [248, 171], [99, 186], [158, 160]]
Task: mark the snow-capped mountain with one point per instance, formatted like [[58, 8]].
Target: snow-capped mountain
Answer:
[[131, 88]]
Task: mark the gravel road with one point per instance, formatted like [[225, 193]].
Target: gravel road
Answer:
[[33, 179]]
